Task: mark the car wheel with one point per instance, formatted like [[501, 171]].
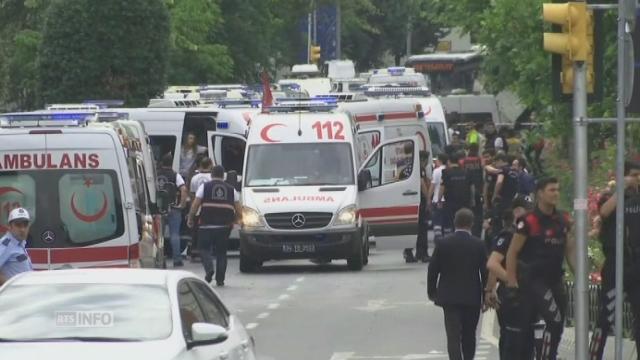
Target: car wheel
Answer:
[[365, 242], [356, 261], [248, 265]]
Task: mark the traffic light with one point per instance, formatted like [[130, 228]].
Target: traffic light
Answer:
[[574, 43], [315, 55]]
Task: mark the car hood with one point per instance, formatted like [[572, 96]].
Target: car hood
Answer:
[[83, 350], [299, 198]]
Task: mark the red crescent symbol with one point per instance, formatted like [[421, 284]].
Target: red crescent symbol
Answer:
[[90, 218], [428, 111], [8, 189], [264, 134]]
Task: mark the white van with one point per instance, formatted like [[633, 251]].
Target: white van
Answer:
[[74, 180], [306, 196], [434, 113]]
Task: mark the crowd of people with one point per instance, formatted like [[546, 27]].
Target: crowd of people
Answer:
[[513, 262]]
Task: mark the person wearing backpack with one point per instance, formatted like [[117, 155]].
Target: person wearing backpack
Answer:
[[174, 187]]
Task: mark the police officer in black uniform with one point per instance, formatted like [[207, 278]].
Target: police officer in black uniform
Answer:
[[506, 310], [219, 206], [505, 190], [607, 211], [472, 164], [534, 267]]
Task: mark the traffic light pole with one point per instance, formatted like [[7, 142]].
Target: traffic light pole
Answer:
[[580, 207], [620, 140]]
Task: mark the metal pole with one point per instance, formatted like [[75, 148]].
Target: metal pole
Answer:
[[408, 39], [309, 39], [338, 31], [580, 208], [620, 140], [315, 24]]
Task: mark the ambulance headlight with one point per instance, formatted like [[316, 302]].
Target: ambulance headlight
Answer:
[[346, 216], [251, 218]]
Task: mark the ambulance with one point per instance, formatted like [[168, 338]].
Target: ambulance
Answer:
[[307, 195], [75, 181], [434, 112]]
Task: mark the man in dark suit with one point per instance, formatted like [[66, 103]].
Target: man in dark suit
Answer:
[[456, 279]]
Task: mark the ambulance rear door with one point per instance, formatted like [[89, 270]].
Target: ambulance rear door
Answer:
[[389, 184], [227, 149]]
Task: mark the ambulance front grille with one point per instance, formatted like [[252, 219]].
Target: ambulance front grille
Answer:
[[285, 221]]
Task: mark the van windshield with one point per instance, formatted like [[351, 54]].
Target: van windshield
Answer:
[[300, 164], [67, 207], [438, 137]]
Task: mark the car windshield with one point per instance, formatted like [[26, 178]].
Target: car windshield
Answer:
[[437, 137], [115, 312], [300, 164], [78, 207]]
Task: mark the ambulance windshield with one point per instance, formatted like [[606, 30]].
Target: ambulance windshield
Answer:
[[304, 164], [67, 207]]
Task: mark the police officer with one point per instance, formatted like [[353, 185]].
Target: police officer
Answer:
[[472, 164], [14, 258], [456, 189], [505, 190], [422, 241], [631, 259], [534, 267], [219, 206], [506, 310], [175, 188]]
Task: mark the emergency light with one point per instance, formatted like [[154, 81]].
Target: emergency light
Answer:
[[396, 71], [255, 103], [108, 116], [35, 119], [222, 125], [397, 91], [102, 104], [298, 105]]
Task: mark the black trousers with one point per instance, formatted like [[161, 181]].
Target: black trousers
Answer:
[[516, 342], [448, 215], [544, 298], [422, 242], [214, 240], [478, 211], [607, 307], [461, 322]]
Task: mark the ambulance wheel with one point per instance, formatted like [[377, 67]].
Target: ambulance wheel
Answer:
[[365, 241], [356, 262], [248, 265]]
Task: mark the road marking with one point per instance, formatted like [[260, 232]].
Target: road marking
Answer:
[[263, 315], [300, 279], [488, 321], [292, 288], [341, 356], [251, 326], [273, 306], [283, 297]]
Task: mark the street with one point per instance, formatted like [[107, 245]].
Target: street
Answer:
[[299, 310]]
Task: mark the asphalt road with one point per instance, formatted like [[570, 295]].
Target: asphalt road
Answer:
[[299, 310]]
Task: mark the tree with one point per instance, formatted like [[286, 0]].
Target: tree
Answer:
[[107, 49], [197, 54]]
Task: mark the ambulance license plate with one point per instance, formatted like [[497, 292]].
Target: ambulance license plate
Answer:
[[298, 248]]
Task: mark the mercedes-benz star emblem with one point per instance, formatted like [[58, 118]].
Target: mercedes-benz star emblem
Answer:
[[48, 236], [298, 220]]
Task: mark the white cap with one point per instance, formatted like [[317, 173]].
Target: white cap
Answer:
[[19, 214]]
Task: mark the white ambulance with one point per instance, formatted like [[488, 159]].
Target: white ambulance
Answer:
[[434, 112], [74, 180], [305, 194]]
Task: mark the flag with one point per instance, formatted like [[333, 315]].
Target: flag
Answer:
[[267, 97]]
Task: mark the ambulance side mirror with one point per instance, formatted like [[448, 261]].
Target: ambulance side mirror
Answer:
[[364, 180]]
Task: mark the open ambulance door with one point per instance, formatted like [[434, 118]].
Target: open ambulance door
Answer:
[[228, 150], [367, 140], [389, 188]]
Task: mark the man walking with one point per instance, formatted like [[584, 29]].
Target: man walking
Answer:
[[472, 164], [458, 190], [457, 286], [535, 267], [631, 258], [219, 205], [422, 241], [434, 194], [175, 189], [14, 258]]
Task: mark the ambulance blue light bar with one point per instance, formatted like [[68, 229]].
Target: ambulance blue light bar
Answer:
[[396, 71], [397, 91], [254, 103], [46, 118], [105, 103], [316, 100], [292, 105], [223, 125], [108, 116]]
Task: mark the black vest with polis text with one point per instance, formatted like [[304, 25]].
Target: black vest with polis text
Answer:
[[217, 204]]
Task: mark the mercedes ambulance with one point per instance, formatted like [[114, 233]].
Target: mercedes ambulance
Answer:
[[74, 180], [306, 195]]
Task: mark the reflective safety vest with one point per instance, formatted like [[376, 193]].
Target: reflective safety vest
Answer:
[[217, 204]]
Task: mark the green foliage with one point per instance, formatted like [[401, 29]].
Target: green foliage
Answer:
[[114, 49]]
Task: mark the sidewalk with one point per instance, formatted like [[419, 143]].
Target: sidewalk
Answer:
[[567, 347]]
